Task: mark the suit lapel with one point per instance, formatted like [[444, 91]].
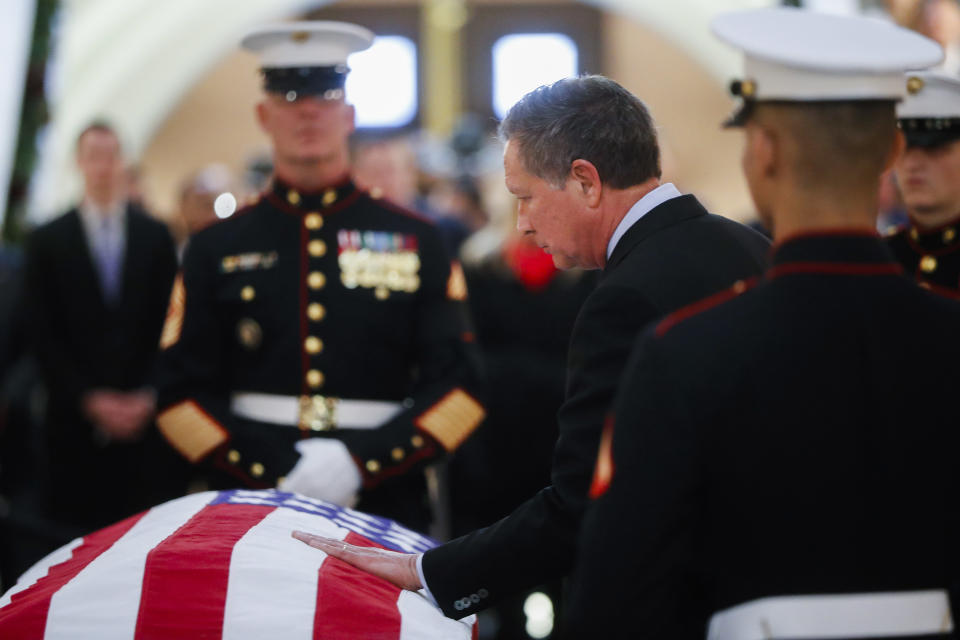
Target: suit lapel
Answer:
[[77, 246], [132, 252], [665, 215]]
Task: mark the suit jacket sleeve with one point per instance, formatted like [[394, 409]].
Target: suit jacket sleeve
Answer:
[[636, 559], [64, 375], [537, 542], [163, 271]]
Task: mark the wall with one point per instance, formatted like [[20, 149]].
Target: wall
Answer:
[[215, 122]]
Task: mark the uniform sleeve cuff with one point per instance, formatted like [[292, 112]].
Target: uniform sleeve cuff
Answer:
[[426, 590]]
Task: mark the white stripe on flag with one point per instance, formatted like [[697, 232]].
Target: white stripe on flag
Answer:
[[40, 569], [103, 600], [273, 578], [420, 620]]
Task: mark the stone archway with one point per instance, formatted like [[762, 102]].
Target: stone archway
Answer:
[[132, 62]]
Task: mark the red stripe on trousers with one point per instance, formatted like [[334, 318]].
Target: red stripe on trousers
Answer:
[[25, 618], [186, 575], [353, 604]]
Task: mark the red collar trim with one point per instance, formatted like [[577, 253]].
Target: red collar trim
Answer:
[[953, 222], [324, 211]]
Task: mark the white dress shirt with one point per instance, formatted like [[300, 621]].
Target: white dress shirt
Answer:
[[640, 208]]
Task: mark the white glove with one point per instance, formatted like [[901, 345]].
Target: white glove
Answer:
[[325, 471]]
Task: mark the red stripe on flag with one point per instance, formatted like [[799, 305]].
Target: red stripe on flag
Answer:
[[186, 575], [25, 617], [354, 604]]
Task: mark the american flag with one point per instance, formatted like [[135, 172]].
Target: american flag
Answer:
[[223, 565]]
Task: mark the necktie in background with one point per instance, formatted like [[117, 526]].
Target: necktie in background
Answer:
[[109, 256]]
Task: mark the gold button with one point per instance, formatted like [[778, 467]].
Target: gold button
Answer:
[[739, 286], [329, 197], [316, 311], [949, 234], [233, 457], [373, 466], [914, 234], [256, 469], [293, 197], [281, 480], [382, 293], [397, 454], [317, 248], [313, 221], [417, 441], [313, 345], [376, 193], [315, 378], [316, 280], [248, 293], [928, 264]]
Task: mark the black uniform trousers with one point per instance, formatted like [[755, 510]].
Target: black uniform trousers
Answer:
[[675, 254]]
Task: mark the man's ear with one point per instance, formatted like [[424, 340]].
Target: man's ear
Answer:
[[587, 179], [351, 115], [766, 149], [896, 150], [262, 115]]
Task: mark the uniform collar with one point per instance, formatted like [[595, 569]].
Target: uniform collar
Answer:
[[854, 251], [946, 236], [303, 202]]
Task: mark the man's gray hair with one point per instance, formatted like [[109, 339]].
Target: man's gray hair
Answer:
[[591, 118]]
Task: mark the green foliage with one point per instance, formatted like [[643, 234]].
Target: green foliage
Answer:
[[34, 115]]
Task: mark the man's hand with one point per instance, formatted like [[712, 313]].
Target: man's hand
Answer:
[[119, 415], [397, 568]]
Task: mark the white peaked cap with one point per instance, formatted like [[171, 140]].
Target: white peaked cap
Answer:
[[803, 56], [931, 94], [307, 44]]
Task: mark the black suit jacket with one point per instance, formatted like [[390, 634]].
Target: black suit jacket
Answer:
[[676, 254], [83, 343], [797, 439]]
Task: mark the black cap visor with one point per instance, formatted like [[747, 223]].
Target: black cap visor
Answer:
[[327, 82], [929, 133]]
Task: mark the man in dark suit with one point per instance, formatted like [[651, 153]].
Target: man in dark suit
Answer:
[[582, 159], [97, 282], [772, 472]]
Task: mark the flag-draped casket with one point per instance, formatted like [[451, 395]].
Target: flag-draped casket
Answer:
[[223, 565]]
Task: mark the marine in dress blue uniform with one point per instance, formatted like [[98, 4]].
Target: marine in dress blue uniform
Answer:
[[759, 479], [318, 339], [928, 175]]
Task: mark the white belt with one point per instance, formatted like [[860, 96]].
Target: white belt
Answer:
[[903, 613], [317, 413]]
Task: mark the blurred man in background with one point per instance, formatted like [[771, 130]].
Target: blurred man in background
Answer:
[[97, 282]]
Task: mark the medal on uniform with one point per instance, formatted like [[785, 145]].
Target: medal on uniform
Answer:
[[383, 261]]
